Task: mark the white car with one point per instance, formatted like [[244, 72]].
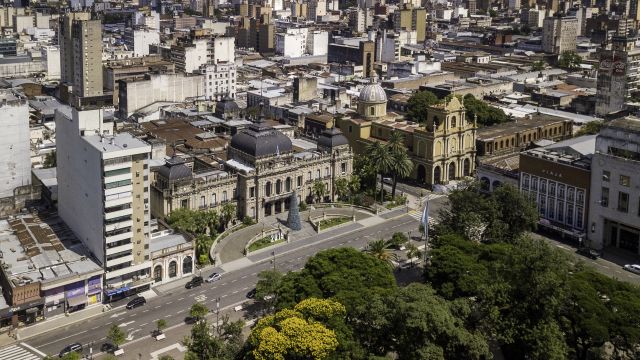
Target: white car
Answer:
[[634, 268], [214, 277]]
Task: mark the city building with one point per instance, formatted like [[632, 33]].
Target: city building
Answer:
[[15, 163], [618, 76], [107, 205], [557, 178], [138, 40], [45, 271], [189, 56], [219, 80], [443, 149], [51, 60], [411, 18], [614, 205], [559, 34], [360, 52]]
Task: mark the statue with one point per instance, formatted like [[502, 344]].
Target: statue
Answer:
[[293, 220]]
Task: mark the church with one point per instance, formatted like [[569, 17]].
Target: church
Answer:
[[442, 149]]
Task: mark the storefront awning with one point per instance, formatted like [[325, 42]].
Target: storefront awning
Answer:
[[76, 301], [117, 291]]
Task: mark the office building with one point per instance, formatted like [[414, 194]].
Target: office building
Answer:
[[219, 80], [614, 205], [138, 40], [618, 75], [411, 18], [559, 34]]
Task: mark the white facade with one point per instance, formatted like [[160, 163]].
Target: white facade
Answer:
[[103, 194], [559, 34], [135, 95], [139, 40], [81, 4], [51, 61], [15, 162], [195, 56], [614, 204], [219, 80], [223, 49], [298, 42], [22, 23]]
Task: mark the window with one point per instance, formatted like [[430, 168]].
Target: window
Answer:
[[213, 199], [551, 213], [343, 168], [552, 188], [625, 180], [560, 217], [569, 214], [525, 182], [623, 202], [252, 192], [570, 193], [224, 195], [543, 205], [561, 191], [326, 172], [309, 176], [203, 201], [580, 197], [604, 197], [453, 121], [300, 181], [606, 175], [543, 186], [318, 174], [579, 215], [534, 183]]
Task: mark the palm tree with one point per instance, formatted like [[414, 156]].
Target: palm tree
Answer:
[[354, 186], [413, 252], [396, 142], [210, 217], [319, 189], [203, 243], [381, 250], [402, 167], [228, 211], [341, 186], [382, 160]]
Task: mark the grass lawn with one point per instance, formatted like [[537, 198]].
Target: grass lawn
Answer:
[[325, 224], [263, 243]]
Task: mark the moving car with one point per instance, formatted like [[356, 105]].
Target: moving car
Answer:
[[137, 301], [251, 294], [590, 253], [75, 347], [634, 268], [214, 277], [195, 281], [108, 348]]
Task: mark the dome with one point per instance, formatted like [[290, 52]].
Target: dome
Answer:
[[373, 93], [331, 138], [226, 106], [175, 169], [261, 140]]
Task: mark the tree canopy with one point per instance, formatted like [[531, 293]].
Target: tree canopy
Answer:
[[487, 115], [418, 104]]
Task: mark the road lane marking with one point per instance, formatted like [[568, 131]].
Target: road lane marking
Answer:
[[244, 277], [118, 314], [157, 307], [125, 324], [170, 302], [144, 311], [181, 299], [33, 349]]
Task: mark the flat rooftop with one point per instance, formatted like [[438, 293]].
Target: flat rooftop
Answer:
[[118, 142], [499, 130], [41, 248], [629, 123]]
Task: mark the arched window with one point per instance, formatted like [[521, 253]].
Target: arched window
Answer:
[[453, 121], [309, 176], [452, 171], [173, 269], [267, 188], [157, 273], [224, 195], [213, 199], [372, 110], [203, 201], [187, 265], [278, 186], [326, 171], [318, 174], [287, 185]]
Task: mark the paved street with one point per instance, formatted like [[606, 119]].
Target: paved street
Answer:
[[173, 305]]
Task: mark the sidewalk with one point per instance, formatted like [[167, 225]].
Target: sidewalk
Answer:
[[59, 322]]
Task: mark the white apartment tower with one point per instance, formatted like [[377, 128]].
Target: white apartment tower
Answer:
[[15, 162], [103, 196], [219, 80], [618, 75]]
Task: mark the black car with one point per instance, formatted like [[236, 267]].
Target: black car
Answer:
[[75, 347], [251, 294], [108, 348], [590, 253], [138, 301], [195, 281]]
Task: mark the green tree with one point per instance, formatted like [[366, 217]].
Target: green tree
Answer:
[[365, 171], [398, 239], [203, 245], [198, 311], [188, 220], [341, 186], [353, 186], [50, 160], [569, 60], [166, 357], [223, 344], [382, 159], [418, 104], [228, 213], [487, 115], [590, 128], [267, 287], [381, 250], [211, 219], [413, 252], [116, 335], [538, 65], [319, 189], [402, 167]]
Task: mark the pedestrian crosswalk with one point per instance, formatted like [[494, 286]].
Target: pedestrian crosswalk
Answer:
[[418, 216], [18, 352]]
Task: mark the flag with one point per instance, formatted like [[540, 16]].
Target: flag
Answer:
[[425, 218], [277, 150]]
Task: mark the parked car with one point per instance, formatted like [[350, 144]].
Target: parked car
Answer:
[[251, 294], [590, 253], [108, 348], [634, 268], [75, 347], [195, 281], [214, 277], [135, 302]]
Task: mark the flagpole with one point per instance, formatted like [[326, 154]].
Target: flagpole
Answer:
[[425, 224]]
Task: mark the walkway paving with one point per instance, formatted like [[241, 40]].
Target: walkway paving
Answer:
[[232, 247]]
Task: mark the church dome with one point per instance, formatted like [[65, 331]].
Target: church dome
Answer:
[[261, 140], [226, 106], [331, 138], [372, 93]]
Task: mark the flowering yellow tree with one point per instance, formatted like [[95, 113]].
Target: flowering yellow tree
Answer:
[[298, 333]]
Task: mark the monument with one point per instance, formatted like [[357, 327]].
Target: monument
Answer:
[[293, 220]]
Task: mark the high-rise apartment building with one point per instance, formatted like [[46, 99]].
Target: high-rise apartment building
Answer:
[[618, 75], [103, 196], [410, 18], [15, 163], [81, 55], [219, 80], [559, 34]]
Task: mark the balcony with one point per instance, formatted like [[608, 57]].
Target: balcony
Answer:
[[119, 225], [120, 260], [118, 237], [118, 249], [118, 190], [118, 213]]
